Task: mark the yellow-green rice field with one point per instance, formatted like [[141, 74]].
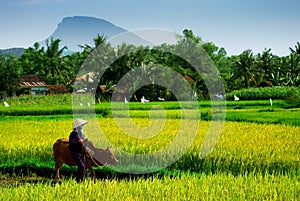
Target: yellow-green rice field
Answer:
[[249, 162]]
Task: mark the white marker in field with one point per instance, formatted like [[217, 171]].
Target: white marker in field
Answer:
[[161, 99], [144, 100], [271, 102], [125, 100], [236, 98], [6, 104]]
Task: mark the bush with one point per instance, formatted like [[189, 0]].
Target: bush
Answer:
[[282, 93], [57, 89], [41, 100]]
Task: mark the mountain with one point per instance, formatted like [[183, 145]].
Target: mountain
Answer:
[[81, 30], [14, 51]]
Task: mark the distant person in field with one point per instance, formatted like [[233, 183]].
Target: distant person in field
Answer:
[[76, 139]]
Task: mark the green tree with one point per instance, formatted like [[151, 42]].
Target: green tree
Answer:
[[55, 65], [293, 72], [99, 40], [244, 67], [266, 64], [295, 65], [9, 74], [33, 61], [95, 59], [73, 63], [297, 49]]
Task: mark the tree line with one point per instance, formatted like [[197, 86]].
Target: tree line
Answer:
[[236, 71]]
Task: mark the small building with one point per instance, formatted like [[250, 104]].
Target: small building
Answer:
[[33, 84]]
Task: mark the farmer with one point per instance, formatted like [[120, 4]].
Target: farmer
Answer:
[[76, 147]]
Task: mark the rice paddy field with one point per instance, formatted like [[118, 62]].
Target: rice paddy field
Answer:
[[256, 157]]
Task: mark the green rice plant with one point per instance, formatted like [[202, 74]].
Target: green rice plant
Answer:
[[242, 147], [265, 116], [250, 161], [183, 187]]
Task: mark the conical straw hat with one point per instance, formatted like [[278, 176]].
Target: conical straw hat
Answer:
[[79, 122]]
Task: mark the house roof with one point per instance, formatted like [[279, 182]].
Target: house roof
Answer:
[[32, 81], [86, 77]]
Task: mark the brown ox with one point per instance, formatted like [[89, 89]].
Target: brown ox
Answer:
[[94, 156]]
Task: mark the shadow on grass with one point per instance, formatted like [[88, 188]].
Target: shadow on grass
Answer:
[[32, 174]]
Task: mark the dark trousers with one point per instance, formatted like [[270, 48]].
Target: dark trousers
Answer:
[[80, 162]]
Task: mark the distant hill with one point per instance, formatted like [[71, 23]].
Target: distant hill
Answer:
[[81, 30], [14, 51]]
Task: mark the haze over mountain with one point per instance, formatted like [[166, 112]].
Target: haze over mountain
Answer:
[[14, 51], [81, 30]]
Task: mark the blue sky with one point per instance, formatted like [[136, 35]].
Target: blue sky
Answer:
[[236, 25]]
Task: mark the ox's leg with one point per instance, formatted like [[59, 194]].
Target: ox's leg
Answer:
[[58, 165], [89, 166]]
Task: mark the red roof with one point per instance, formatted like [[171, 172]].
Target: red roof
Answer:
[[32, 81]]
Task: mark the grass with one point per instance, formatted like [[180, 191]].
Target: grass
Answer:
[[242, 147], [265, 116], [182, 187], [250, 162], [60, 107], [255, 158]]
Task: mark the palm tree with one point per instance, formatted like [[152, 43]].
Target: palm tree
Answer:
[[297, 49], [98, 40], [295, 64], [294, 68], [266, 64], [54, 54], [244, 66]]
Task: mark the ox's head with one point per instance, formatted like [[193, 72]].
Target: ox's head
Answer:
[[106, 156]]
